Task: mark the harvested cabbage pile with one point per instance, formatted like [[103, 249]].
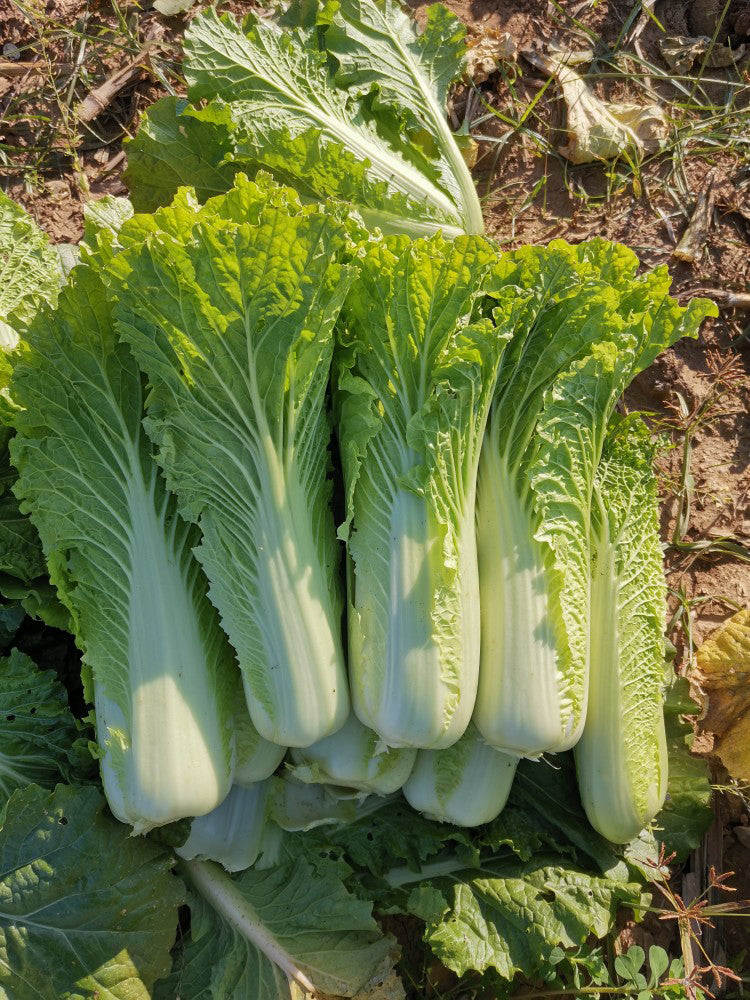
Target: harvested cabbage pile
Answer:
[[352, 540]]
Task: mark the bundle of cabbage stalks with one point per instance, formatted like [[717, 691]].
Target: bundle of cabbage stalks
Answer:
[[354, 544]]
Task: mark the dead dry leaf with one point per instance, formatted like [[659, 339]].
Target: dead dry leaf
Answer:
[[722, 681], [691, 246], [487, 48], [600, 130], [681, 53]]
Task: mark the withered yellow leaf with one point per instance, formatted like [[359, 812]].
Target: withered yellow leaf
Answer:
[[722, 679]]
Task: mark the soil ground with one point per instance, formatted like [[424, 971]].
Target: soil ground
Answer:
[[53, 53]]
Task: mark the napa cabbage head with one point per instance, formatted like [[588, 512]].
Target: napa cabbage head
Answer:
[[415, 371], [230, 309], [345, 103], [590, 324], [157, 665], [621, 758]]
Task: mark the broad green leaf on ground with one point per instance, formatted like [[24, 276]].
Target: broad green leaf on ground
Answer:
[[364, 123], [687, 813], [264, 933], [29, 270], [509, 916], [87, 912], [175, 146], [122, 562], [231, 316], [40, 741]]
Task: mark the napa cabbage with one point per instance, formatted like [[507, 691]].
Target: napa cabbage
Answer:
[[466, 784], [354, 757], [121, 559], [415, 371], [621, 758], [590, 324], [230, 312]]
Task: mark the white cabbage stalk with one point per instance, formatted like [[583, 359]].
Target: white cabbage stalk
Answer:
[[255, 758], [236, 833], [467, 784], [621, 758], [231, 316], [121, 559], [354, 757], [416, 369]]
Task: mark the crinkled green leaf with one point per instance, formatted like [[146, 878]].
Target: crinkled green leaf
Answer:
[[177, 146], [40, 741], [88, 912], [29, 270], [30, 275], [509, 916]]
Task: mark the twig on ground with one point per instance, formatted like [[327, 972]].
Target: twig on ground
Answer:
[[101, 97]]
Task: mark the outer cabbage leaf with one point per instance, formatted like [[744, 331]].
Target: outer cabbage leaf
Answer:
[[106, 215], [388, 153], [233, 322], [177, 146], [29, 276], [29, 270], [121, 560], [354, 757], [687, 812], [40, 741], [415, 373], [510, 915], [265, 934], [590, 326], [236, 832], [88, 911]]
